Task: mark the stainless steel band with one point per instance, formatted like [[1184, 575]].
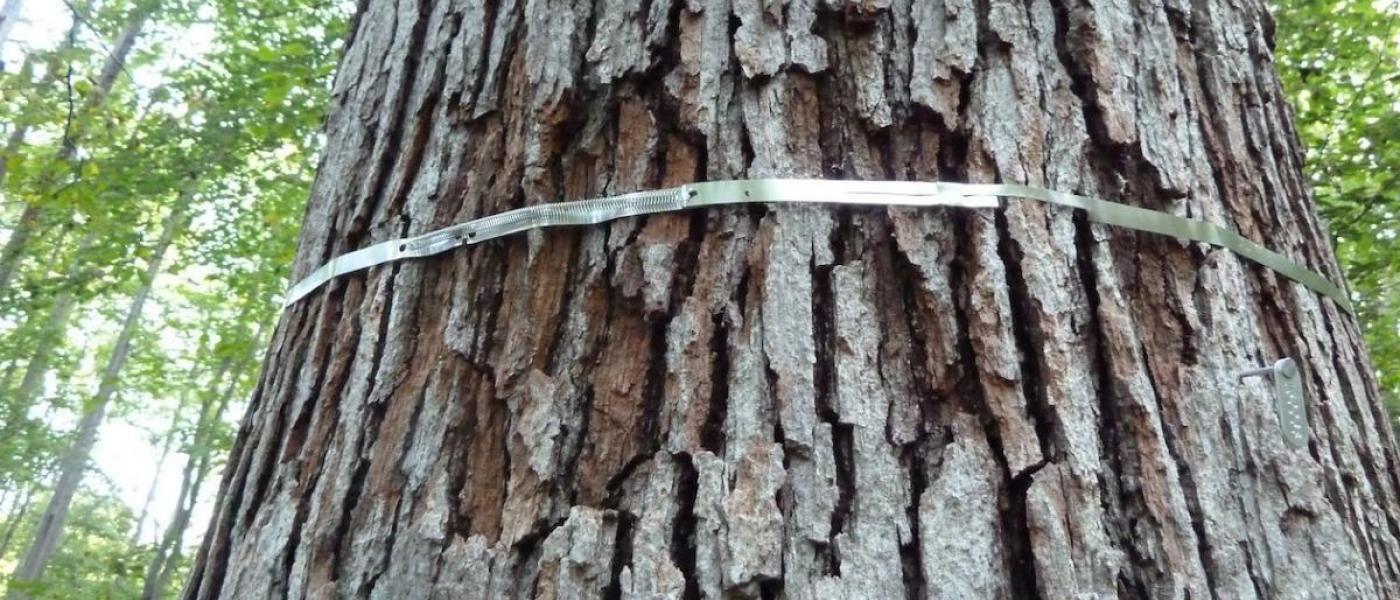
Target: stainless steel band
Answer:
[[817, 191]]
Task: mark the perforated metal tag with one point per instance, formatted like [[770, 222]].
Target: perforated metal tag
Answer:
[[1289, 403]]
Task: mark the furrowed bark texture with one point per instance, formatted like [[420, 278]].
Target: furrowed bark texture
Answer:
[[807, 402]]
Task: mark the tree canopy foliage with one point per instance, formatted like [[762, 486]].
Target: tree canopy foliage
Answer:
[[164, 148], [1340, 62], [157, 148]]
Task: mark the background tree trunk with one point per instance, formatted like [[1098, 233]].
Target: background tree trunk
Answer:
[[807, 402], [169, 548], [166, 445], [30, 218], [14, 517], [19, 128], [75, 460]]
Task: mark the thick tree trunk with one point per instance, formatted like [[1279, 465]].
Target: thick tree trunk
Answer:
[[74, 464], [807, 402]]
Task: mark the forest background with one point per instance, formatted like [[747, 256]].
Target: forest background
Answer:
[[156, 164]]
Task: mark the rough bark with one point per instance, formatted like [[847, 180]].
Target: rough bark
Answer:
[[807, 402], [74, 463]]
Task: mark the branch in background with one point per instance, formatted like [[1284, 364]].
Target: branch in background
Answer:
[[77, 16], [69, 145]]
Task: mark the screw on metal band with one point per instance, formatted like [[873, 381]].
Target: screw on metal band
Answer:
[[814, 191]]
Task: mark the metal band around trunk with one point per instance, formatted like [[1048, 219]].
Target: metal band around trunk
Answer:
[[807, 191]]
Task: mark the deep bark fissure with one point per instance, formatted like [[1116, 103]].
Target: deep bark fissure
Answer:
[[1204, 545], [1111, 414], [622, 554], [347, 510], [912, 453], [458, 524], [1373, 481], [665, 58], [329, 318], [653, 391], [1025, 327], [687, 255], [374, 415], [295, 437], [403, 505], [1190, 351], [528, 546], [1016, 528], [475, 89], [1378, 415], [824, 379], [587, 402], [1261, 585], [910, 552], [712, 434], [930, 399], [683, 529], [419, 140], [1011, 503], [629, 468], [360, 224], [842, 438]]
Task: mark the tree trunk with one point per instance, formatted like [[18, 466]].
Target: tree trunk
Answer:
[[197, 468], [31, 217], [166, 445], [54, 331], [807, 402], [75, 460], [14, 518], [20, 127]]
